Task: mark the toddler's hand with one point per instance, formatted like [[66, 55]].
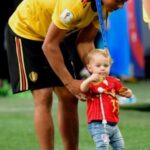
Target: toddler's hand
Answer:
[[94, 77], [125, 92]]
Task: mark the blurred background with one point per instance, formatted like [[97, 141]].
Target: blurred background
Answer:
[[6, 9], [129, 44]]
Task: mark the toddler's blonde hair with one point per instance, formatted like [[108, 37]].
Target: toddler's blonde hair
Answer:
[[103, 52]]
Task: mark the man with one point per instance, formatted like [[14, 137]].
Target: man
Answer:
[[39, 59]]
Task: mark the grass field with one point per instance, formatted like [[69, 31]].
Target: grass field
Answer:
[[17, 131]]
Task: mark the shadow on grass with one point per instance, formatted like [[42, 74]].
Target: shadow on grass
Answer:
[[136, 106]]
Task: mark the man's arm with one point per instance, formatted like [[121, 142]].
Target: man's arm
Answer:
[[85, 42], [54, 56], [53, 53]]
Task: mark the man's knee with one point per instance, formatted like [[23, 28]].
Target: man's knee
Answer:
[[42, 98], [64, 95]]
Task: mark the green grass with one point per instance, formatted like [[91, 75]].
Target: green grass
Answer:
[[17, 128]]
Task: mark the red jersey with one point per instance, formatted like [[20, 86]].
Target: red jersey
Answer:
[[111, 86]]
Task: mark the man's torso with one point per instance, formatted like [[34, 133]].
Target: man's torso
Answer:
[[33, 17]]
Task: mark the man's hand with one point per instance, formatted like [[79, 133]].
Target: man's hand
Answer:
[[74, 88]]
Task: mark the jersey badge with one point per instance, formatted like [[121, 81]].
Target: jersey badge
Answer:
[[33, 76], [66, 16]]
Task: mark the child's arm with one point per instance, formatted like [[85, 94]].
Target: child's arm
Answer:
[[85, 84], [125, 92]]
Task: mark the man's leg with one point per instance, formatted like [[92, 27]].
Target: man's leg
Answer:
[[43, 119], [68, 118]]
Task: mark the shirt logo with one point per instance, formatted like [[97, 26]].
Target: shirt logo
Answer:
[[66, 16]]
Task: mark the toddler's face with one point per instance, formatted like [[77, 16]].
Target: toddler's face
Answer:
[[99, 64]]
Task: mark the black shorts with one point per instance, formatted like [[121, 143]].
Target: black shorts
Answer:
[[28, 66]]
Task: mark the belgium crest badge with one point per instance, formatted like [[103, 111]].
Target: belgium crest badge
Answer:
[[33, 76]]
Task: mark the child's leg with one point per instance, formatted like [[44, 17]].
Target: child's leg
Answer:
[[116, 140], [101, 139]]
